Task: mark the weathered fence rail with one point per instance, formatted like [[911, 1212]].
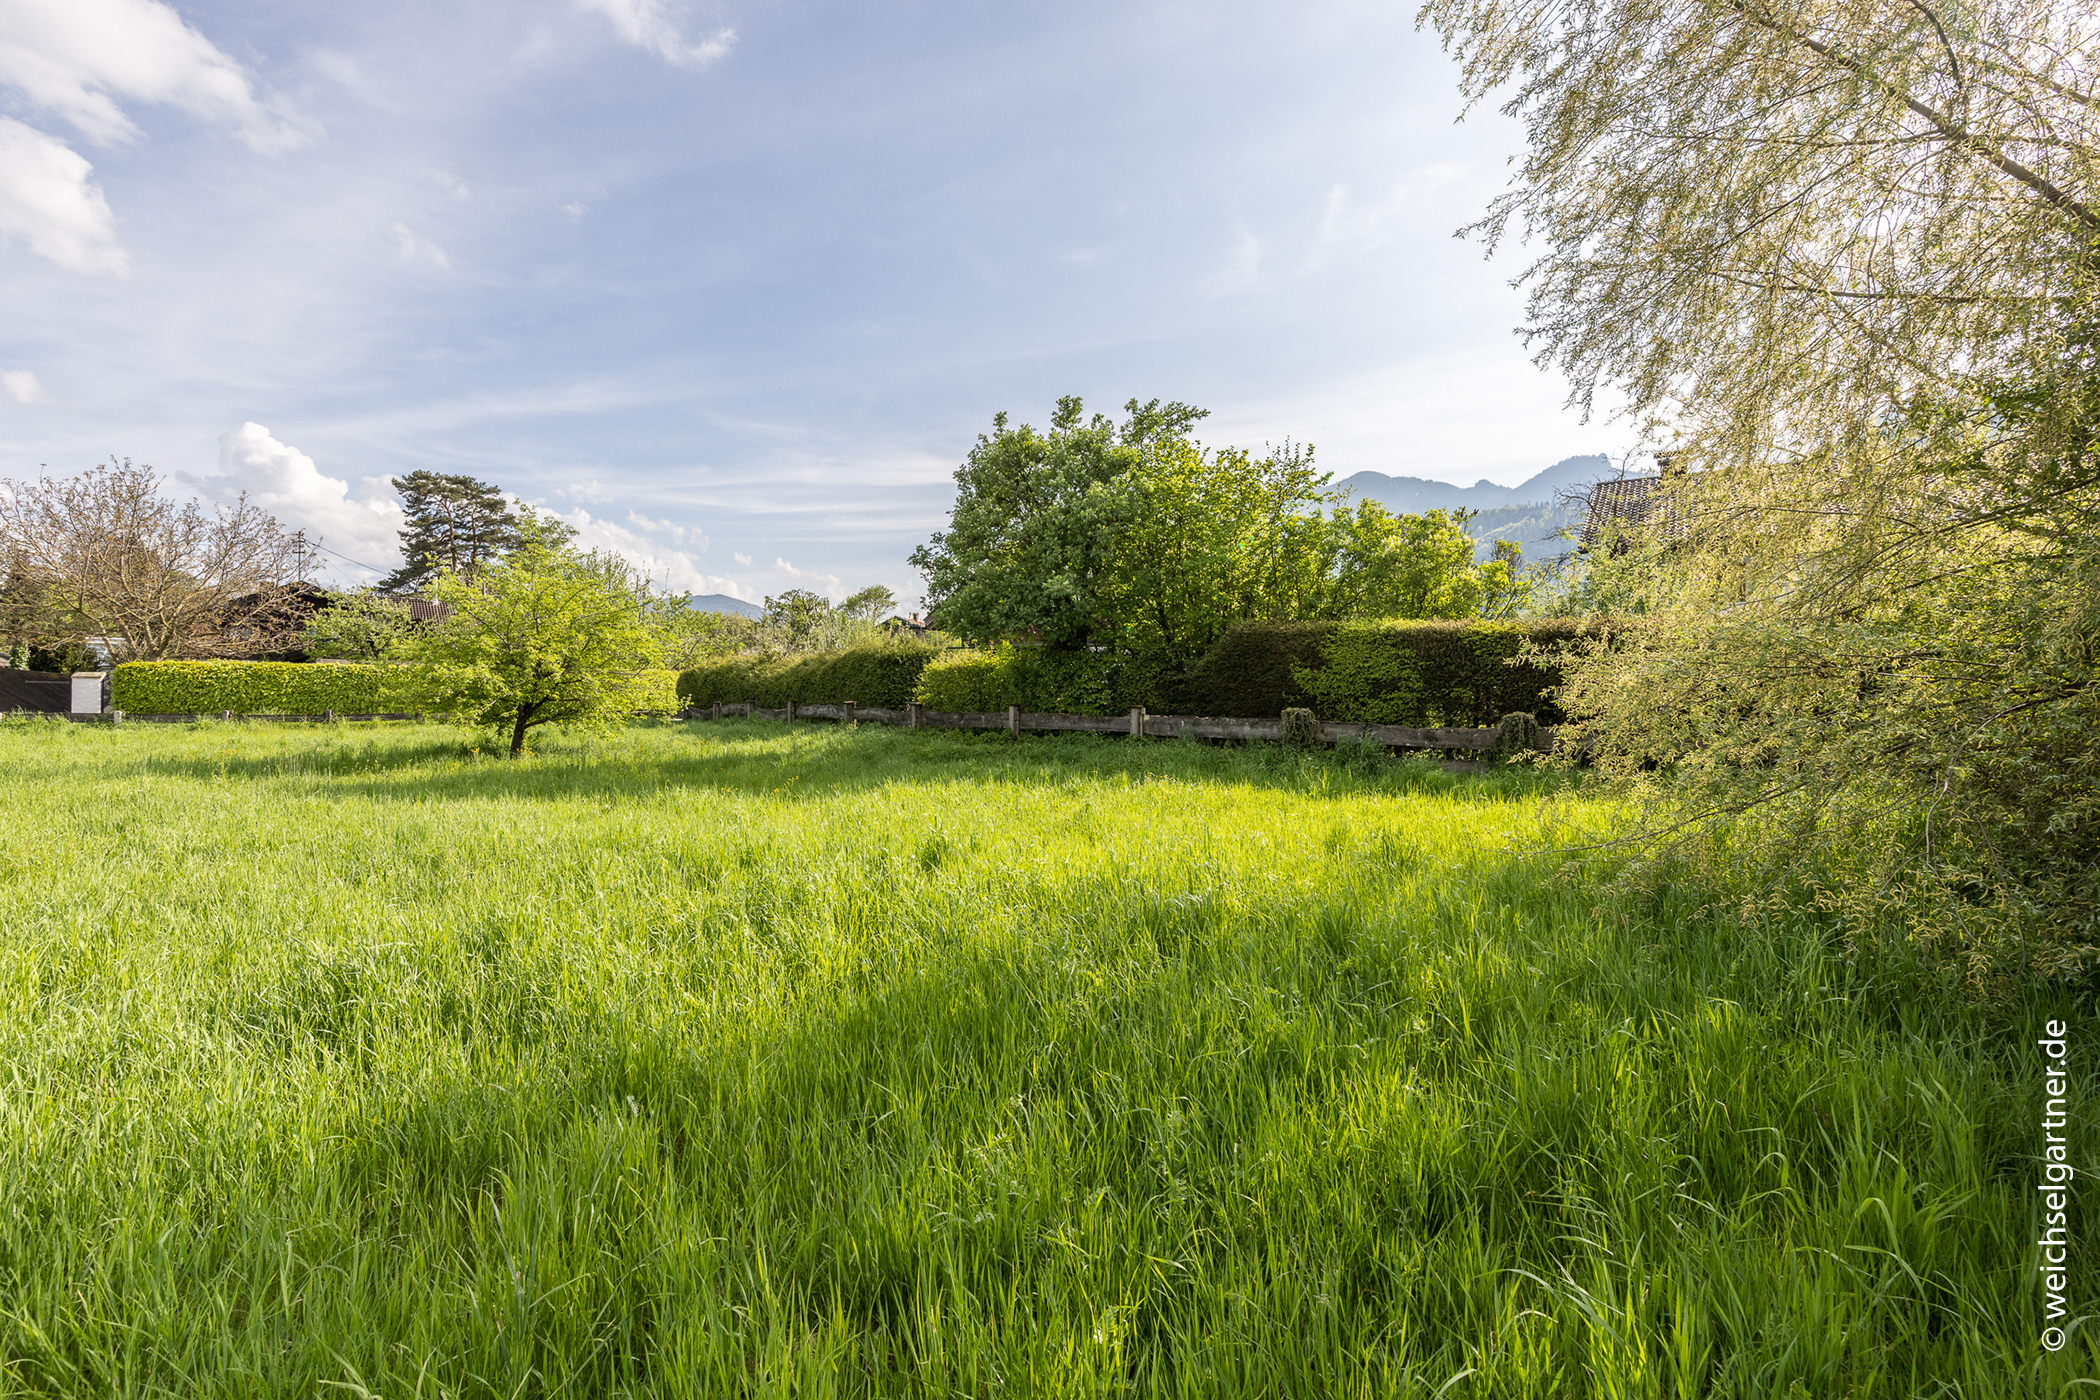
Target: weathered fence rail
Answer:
[[1014, 720], [1136, 723]]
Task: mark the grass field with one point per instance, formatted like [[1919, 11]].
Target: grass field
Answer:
[[734, 1060]]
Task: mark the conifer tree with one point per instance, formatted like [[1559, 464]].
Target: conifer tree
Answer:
[[455, 524]]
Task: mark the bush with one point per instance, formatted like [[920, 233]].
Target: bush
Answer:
[[974, 681], [250, 688], [1425, 674], [298, 688], [884, 676]]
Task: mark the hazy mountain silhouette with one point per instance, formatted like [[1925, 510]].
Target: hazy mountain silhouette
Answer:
[[1411, 495], [1532, 513], [722, 602]]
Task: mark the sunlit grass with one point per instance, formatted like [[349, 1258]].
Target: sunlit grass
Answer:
[[729, 1059]]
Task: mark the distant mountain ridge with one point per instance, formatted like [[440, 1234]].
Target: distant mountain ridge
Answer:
[[723, 603], [1531, 514], [1411, 495]]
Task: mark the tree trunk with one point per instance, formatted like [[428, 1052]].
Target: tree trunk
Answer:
[[517, 733]]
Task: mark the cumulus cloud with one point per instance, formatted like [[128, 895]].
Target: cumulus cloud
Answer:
[[79, 58], [648, 24], [743, 559], [676, 569], [48, 203], [21, 386], [285, 482]]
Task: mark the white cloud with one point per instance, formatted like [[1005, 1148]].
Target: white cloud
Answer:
[[646, 24], [676, 569], [77, 58], [285, 482], [743, 559], [21, 386], [48, 202], [412, 249]]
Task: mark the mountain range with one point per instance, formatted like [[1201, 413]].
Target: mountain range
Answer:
[[723, 603], [1411, 495], [1531, 514]]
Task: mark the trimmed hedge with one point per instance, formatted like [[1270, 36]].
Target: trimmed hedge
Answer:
[[249, 688], [1039, 680], [299, 688], [1428, 674], [1416, 673], [974, 681], [885, 677]]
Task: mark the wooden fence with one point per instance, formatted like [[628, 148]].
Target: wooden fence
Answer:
[[1014, 720], [1137, 723]]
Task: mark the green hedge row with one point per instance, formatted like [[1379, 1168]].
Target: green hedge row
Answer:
[[298, 688], [249, 688], [1414, 673], [881, 676]]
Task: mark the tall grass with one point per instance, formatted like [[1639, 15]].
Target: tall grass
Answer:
[[733, 1060]]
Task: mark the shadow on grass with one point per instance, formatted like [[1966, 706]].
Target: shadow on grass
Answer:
[[821, 760]]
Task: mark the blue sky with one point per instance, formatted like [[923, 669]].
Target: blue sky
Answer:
[[734, 286]]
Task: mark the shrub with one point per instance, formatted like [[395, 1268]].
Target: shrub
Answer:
[[299, 688], [1066, 682], [883, 675], [250, 688], [1414, 673], [976, 681]]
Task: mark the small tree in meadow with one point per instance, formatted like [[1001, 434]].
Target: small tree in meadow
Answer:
[[545, 634]]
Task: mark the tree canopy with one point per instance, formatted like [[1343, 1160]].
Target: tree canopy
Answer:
[[1137, 537], [544, 634], [1846, 254], [107, 555], [455, 524], [1764, 221]]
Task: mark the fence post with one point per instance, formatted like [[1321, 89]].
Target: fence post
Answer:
[[1013, 720], [328, 716], [913, 721], [850, 708], [791, 712], [1137, 722]]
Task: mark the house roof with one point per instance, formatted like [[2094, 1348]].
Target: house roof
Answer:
[[1614, 509]]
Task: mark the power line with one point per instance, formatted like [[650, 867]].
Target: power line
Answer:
[[346, 558]]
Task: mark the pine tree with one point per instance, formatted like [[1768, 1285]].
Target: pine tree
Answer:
[[454, 523]]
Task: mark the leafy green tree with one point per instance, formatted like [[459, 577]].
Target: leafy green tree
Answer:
[[1411, 566], [1031, 541], [362, 626], [1205, 538], [690, 635], [871, 604], [455, 525], [797, 618], [541, 635], [1849, 255]]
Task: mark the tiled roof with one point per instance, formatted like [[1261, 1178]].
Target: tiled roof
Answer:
[[1614, 507]]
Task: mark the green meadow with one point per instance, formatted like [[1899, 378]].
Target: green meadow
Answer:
[[739, 1060]]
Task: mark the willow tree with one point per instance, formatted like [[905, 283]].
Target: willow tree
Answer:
[[1845, 255]]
